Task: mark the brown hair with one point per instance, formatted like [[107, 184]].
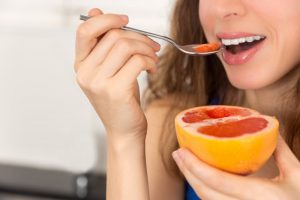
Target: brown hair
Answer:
[[194, 81]]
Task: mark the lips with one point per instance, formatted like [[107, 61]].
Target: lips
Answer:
[[240, 47]]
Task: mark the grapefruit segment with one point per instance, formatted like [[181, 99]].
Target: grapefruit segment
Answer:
[[235, 128], [194, 116], [221, 112], [231, 138]]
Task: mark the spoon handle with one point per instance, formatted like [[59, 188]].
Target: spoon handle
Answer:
[[84, 18]]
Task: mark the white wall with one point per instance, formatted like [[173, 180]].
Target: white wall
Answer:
[[45, 120]]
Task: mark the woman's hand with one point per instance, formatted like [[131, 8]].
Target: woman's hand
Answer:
[[108, 61], [214, 184]]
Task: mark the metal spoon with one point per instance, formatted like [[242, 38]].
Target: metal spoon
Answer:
[[192, 49]]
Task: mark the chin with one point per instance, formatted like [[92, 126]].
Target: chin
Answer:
[[248, 84]]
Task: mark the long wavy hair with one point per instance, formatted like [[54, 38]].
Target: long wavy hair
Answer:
[[195, 81]]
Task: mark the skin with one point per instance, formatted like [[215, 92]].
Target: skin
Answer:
[[107, 63], [258, 18], [264, 81], [210, 183]]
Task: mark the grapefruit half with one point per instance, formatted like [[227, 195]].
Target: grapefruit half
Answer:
[[234, 139]]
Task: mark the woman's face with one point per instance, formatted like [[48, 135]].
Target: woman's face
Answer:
[[262, 38]]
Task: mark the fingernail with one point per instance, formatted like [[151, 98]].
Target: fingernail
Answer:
[[178, 154], [181, 154], [157, 46], [175, 156], [124, 17]]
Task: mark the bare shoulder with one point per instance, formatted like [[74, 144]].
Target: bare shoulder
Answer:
[[157, 111], [162, 184], [159, 108], [165, 103]]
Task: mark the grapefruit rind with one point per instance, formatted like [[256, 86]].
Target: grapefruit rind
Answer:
[[240, 155]]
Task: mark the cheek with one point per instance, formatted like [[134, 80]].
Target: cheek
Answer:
[[290, 45], [289, 34], [206, 18], [282, 22], [286, 40]]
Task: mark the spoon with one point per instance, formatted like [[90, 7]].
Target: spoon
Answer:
[[191, 49]]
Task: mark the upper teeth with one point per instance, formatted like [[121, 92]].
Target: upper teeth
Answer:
[[238, 41]]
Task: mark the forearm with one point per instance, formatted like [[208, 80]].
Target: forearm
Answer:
[[126, 170]]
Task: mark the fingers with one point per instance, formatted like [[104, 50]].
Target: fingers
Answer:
[[121, 53], [131, 70], [124, 77], [89, 32], [127, 75], [106, 52], [207, 193], [203, 191], [225, 183], [114, 36], [286, 161]]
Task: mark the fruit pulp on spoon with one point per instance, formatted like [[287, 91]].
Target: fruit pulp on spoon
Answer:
[[205, 48]]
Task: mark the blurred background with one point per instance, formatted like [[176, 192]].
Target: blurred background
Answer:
[[52, 145]]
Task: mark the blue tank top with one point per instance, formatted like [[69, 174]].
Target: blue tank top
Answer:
[[190, 194]]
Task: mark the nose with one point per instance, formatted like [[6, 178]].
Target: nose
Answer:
[[227, 9]]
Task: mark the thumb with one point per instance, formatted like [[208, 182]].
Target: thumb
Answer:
[[284, 157]]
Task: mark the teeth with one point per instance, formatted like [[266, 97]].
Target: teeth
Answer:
[[250, 39], [238, 41], [235, 42], [258, 37], [242, 40]]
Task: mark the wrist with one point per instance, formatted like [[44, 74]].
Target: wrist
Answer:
[[126, 143]]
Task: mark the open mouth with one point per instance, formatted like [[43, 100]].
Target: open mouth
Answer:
[[238, 45], [240, 48]]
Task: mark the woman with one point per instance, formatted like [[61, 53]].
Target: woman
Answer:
[[259, 69]]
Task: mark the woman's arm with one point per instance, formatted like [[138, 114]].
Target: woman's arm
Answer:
[[126, 169], [108, 61]]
